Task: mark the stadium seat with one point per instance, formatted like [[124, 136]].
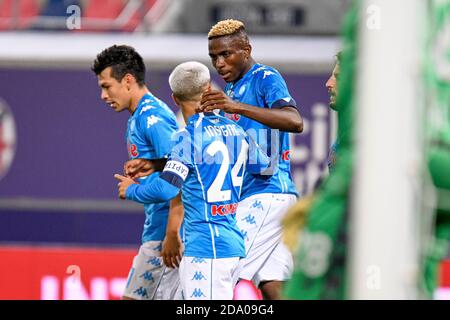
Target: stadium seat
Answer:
[[104, 9], [139, 15], [27, 11], [57, 8]]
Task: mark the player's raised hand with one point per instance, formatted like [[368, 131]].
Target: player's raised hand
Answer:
[[124, 183], [136, 168], [216, 99]]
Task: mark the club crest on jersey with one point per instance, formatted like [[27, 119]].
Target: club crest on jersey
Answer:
[[233, 116], [132, 150], [7, 138], [242, 90], [223, 209]]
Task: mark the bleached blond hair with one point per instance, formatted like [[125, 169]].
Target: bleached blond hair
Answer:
[[225, 28], [188, 80]]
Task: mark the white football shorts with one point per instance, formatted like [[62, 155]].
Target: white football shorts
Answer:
[[149, 278], [259, 218], [208, 279]]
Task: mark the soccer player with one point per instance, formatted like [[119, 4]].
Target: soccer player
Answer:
[[257, 98], [121, 77], [331, 85], [207, 163], [319, 273]]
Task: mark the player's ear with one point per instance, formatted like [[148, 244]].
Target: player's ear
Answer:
[[175, 99], [249, 50], [128, 78]]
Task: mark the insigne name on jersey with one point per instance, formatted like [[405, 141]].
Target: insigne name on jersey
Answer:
[[222, 130]]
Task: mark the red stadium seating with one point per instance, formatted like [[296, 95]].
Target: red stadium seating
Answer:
[[105, 9], [27, 11], [138, 16]]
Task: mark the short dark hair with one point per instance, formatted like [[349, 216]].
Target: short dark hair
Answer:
[[122, 60], [338, 57]]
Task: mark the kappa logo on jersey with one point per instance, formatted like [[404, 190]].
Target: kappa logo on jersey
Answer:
[[7, 138], [286, 155], [197, 293], [154, 261], [198, 276], [198, 260], [147, 275], [152, 120], [223, 209], [259, 69], [145, 108], [267, 73]]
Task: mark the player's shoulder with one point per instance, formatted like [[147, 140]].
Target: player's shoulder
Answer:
[[152, 112], [263, 72], [152, 105]]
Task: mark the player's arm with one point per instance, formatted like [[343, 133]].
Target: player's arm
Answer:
[[137, 168], [172, 249], [158, 191], [164, 188], [285, 118]]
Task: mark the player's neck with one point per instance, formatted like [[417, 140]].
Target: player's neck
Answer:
[[136, 98], [188, 109], [249, 65]]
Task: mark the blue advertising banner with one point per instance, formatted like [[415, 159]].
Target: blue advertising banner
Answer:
[[67, 143], [60, 146]]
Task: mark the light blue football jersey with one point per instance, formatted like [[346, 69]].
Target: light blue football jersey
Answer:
[[149, 131], [263, 86], [209, 159]]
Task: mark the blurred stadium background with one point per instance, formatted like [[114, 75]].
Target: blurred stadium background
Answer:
[[60, 145]]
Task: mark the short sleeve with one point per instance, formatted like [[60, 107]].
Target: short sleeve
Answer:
[[180, 159], [158, 132], [274, 90]]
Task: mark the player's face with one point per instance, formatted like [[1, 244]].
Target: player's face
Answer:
[[230, 56], [332, 86], [114, 92]]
